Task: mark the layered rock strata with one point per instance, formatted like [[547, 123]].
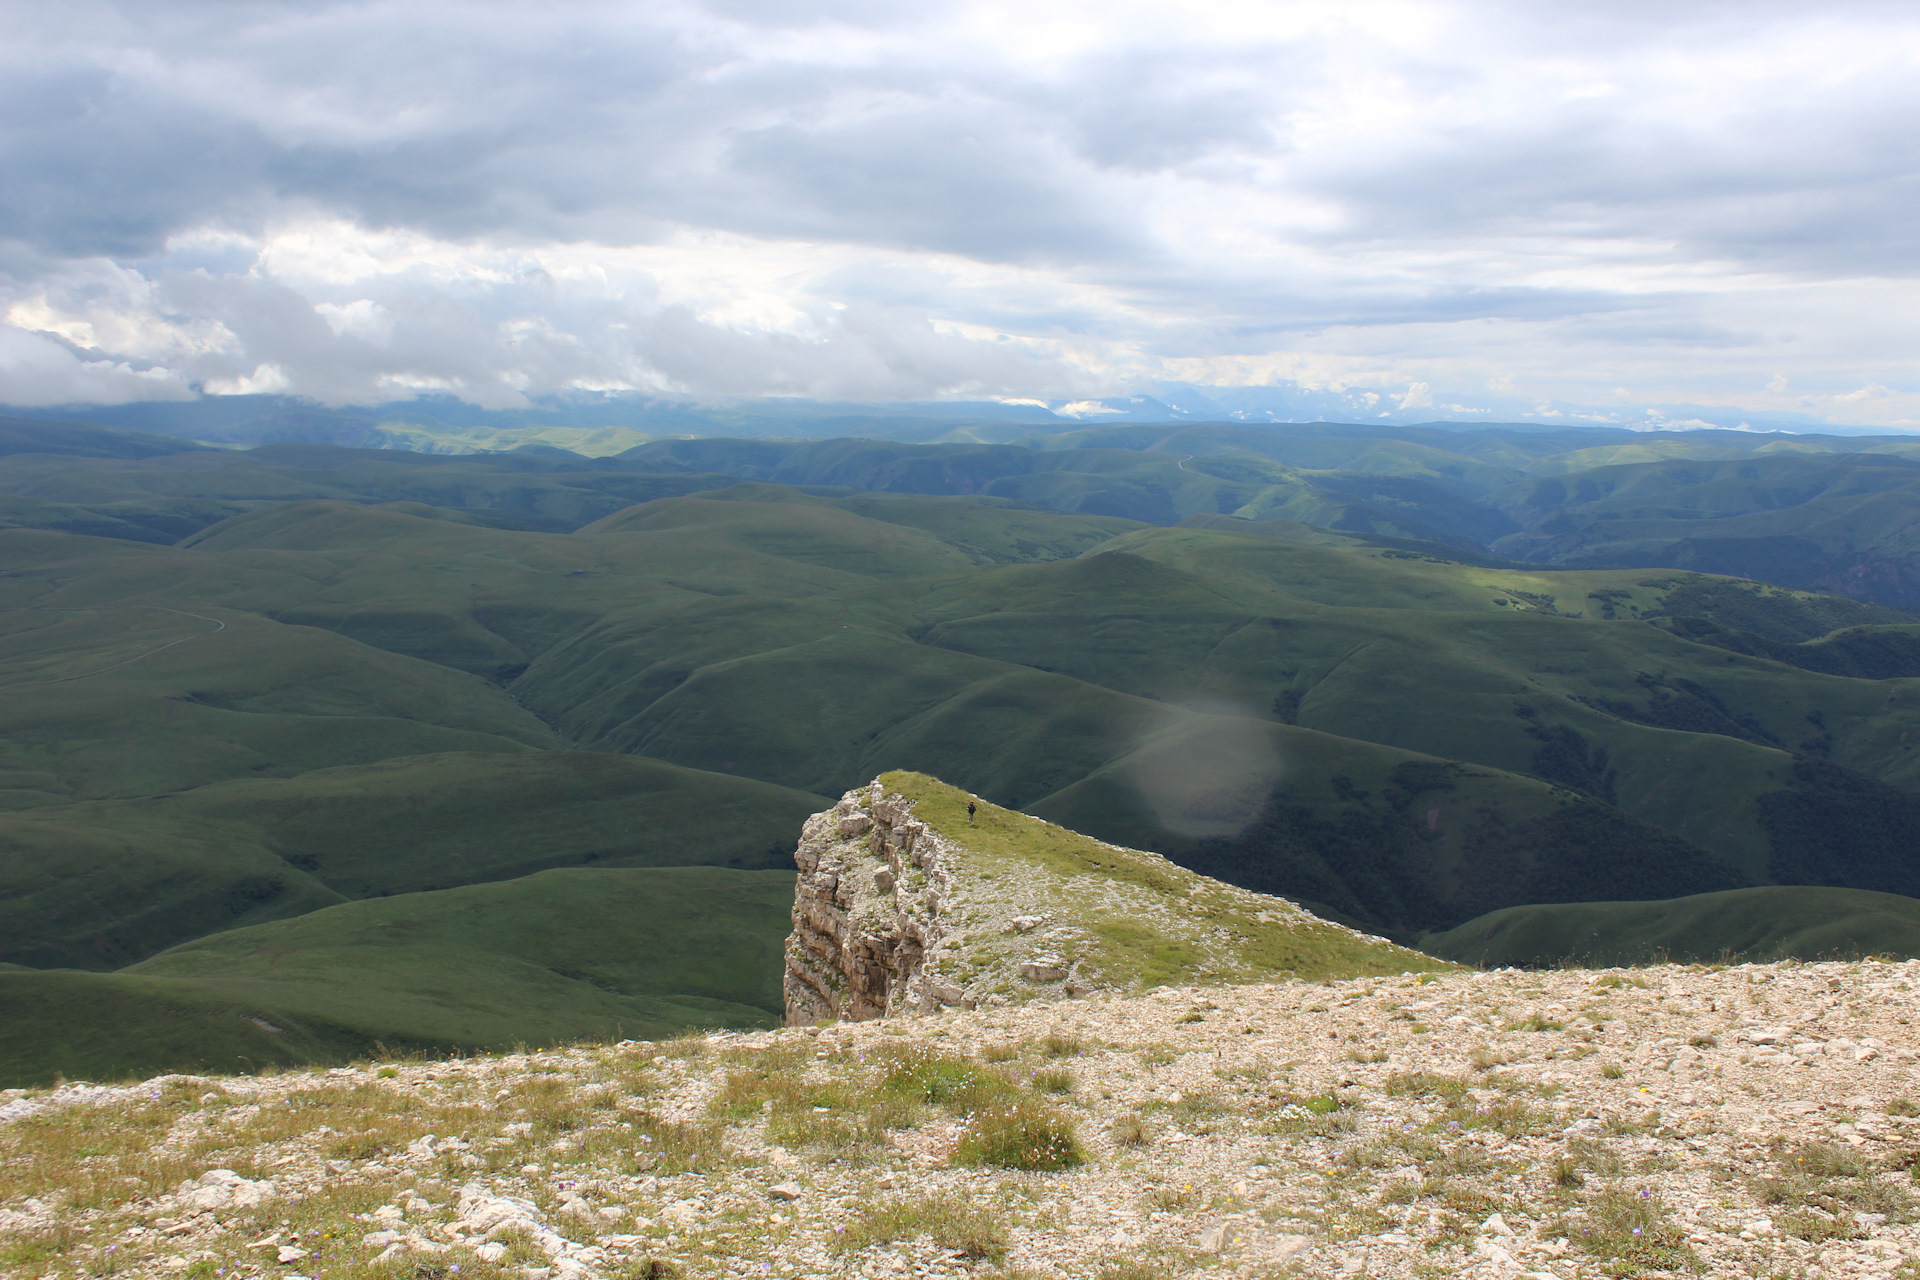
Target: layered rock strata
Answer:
[[867, 910]]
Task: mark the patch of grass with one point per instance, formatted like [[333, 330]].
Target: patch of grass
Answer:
[[661, 1146], [923, 1074], [1822, 1184], [1310, 1116], [950, 1220], [1021, 1135], [1612, 1071], [1510, 1115], [1121, 951], [1903, 1107], [1627, 1230]]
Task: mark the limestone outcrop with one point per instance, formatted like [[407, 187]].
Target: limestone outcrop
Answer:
[[867, 911], [914, 896]]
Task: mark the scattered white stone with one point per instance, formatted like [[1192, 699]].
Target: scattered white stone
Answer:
[[222, 1189]]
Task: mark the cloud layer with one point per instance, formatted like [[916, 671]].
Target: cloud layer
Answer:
[[1460, 207]]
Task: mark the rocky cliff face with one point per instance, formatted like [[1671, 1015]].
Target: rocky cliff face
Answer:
[[908, 902], [867, 911]]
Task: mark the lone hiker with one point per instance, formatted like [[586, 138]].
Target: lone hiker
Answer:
[[971, 806]]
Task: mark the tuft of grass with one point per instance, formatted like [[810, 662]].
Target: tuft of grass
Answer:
[[1425, 1084], [1020, 1135], [1903, 1107], [1130, 1129], [1612, 1071], [1053, 1080], [1537, 1023], [1614, 981], [952, 1221], [1059, 1045]]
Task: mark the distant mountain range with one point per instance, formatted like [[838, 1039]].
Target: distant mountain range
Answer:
[[1815, 512], [598, 423]]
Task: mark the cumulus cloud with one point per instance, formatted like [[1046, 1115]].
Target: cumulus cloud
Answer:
[[1466, 203]]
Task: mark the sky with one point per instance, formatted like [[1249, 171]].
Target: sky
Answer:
[[1615, 211]]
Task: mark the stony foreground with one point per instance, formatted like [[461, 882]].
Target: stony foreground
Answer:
[[1749, 1121]]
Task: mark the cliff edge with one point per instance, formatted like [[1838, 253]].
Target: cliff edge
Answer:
[[914, 895]]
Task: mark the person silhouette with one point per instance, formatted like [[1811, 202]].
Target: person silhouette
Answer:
[[970, 808]]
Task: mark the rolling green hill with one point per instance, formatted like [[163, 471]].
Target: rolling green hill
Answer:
[[101, 884], [1757, 924], [1047, 661], [561, 955], [357, 674]]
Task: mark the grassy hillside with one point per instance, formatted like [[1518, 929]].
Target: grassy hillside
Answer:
[[1129, 920], [562, 955], [100, 885], [1066, 663], [1743, 924], [397, 673]]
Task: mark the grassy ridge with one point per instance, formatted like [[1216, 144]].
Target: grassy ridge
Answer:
[[1767, 923], [561, 955], [1142, 921]]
